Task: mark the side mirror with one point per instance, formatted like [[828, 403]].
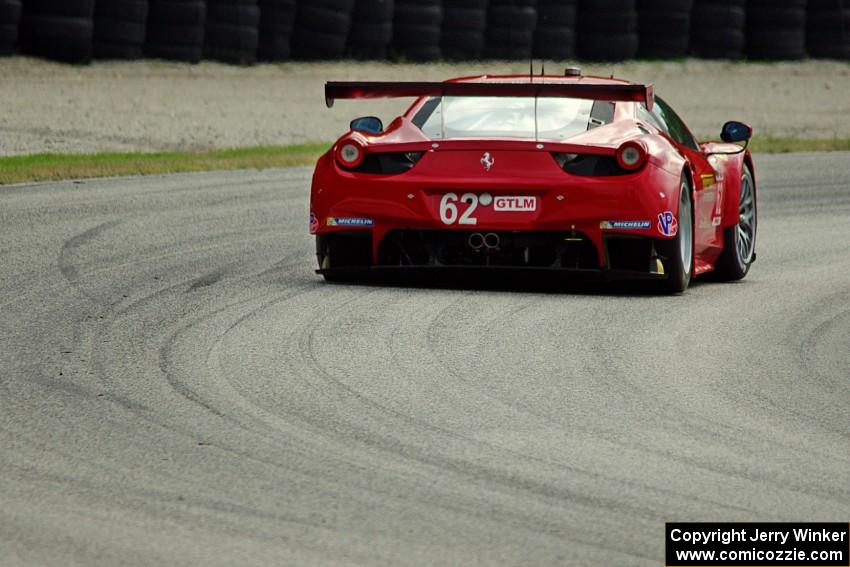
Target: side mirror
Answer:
[[736, 132], [367, 125]]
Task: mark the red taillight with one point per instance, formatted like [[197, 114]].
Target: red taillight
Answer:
[[349, 153], [631, 156]]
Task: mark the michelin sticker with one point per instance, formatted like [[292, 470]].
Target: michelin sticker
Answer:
[[349, 221], [625, 225], [667, 224]]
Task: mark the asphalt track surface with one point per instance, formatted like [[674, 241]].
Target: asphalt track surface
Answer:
[[177, 387]]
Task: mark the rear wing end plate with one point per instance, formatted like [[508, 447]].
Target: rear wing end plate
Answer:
[[376, 89]]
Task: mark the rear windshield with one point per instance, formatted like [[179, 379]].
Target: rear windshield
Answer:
[[545, 118]]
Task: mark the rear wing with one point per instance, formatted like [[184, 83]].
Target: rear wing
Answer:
[[375, 89]]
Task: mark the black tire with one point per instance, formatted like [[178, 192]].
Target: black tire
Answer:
[[776, 30], [683, 6], [373, 11], [232, 55], [416, 36], [102, 50], [777, 44], [55, 37], [731, 265], [8, 39], [311, 45], [346, 6], [828, 30], [461, 45], [10, 12], [679, 275], [323, 19], [422, 14], [467, 19], [555, 43], [63, 8], [10, 17], [118, 31], [557, 14], [191, 12], [184, 53], [512, 17], [368, 53], [175, 34], [596, 22], [606, 47], [134, 11], [371, 34], [231, 36], [607, 5], [713, 16], [717, 29], [417, 30], [510, 29], [247, 15], [661, 47], [277, 19]]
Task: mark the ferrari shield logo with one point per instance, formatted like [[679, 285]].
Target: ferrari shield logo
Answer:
[[487, 161]]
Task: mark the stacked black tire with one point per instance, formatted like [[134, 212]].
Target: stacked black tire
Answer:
[[58, 29], [510, 29], [664, 28], [464, 26], [608, 30], [176, 30], [776, 29], [717, 29], [828, 29], [119, 28], [277, 20], [417, 26], [555, 37], [10, 18], [321, 28], [232, 31], [371, 29]]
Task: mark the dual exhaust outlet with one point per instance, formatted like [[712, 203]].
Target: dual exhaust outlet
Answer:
[[477, 240]]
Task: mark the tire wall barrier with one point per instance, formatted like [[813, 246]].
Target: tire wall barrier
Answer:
[[176, 29], [120, 27], [245, 31]]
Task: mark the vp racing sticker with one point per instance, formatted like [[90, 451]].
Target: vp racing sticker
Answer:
[[667, 224]]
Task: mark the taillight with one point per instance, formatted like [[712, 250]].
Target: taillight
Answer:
[[349, 154], [631, 156]]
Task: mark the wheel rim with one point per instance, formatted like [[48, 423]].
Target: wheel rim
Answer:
[[746, 221], [686, 234]]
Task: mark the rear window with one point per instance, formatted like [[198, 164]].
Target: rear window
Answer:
[[507, 117]]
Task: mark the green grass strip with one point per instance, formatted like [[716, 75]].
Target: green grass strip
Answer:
[[51, 167], [782, 145]]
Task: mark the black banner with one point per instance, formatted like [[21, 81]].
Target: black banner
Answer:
[[758, 544]]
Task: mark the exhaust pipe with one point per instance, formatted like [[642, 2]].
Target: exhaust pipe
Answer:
[[492, 240], [475, 241]]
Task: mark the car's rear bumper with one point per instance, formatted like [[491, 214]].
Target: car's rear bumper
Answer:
[[565, 252], [416, 272]]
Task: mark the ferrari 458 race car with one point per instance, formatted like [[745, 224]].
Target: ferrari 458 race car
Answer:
[[589, 176]]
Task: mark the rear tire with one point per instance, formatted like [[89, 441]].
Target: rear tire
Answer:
[[678, 252], [739, 240]]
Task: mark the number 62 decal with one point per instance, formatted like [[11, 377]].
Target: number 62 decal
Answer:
[[449, 212]]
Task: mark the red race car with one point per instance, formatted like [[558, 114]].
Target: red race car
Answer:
[[583, 175]]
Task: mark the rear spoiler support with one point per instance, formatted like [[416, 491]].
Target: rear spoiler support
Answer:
[[376, 89]]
